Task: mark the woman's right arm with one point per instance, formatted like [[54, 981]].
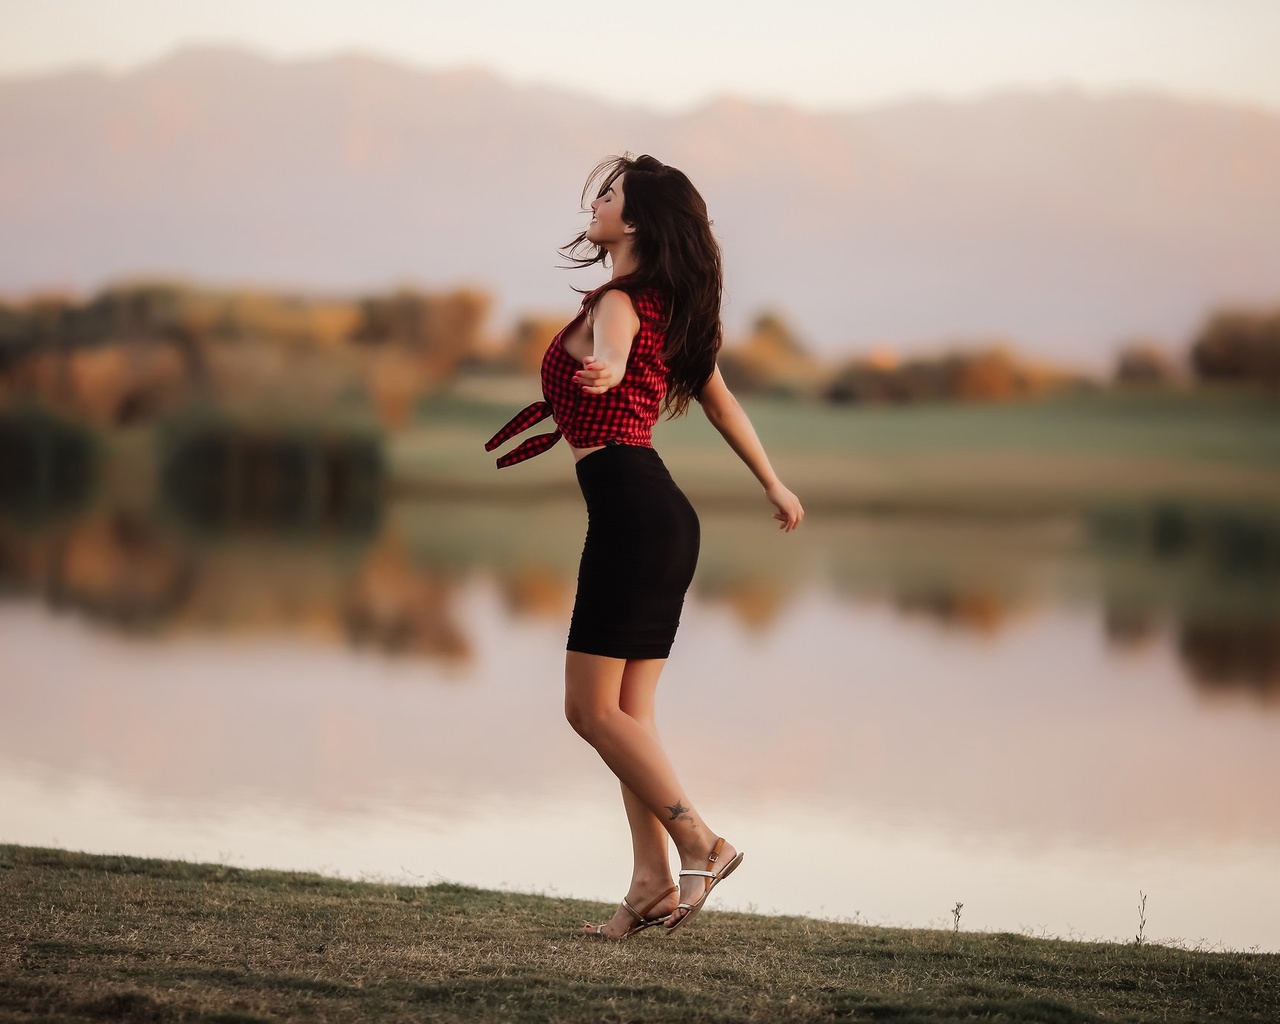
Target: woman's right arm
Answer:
[[728, 417]]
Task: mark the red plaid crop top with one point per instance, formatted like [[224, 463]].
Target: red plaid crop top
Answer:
[[626, 412]]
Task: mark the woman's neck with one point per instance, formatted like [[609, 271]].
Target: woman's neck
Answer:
[[623, 260]]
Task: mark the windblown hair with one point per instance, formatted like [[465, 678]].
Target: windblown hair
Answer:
[[676, 254]]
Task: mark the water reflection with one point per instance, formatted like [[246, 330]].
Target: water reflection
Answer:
[[46, 465], [402, 609], [1206, 584], [1032, 716], [1212, 575], [1037, 779], [218, 475], [1231, 656]]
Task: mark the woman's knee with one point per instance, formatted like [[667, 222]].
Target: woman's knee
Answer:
[[591, 687], [586, 717]]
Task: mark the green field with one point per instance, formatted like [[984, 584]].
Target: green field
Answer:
[[89, 938], [1055, 455]]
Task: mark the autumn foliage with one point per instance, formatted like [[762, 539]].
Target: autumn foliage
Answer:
[[136, 352], [989, 373]]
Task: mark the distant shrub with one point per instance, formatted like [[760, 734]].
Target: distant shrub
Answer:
[[988, 374], [1146, 363], [770, 360], [1238, 345], [137, 351], [866, 380], [532, 336]]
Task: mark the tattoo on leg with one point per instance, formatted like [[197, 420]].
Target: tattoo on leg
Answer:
[[679, 812]]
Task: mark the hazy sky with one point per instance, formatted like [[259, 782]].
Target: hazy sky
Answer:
[[677, 53]]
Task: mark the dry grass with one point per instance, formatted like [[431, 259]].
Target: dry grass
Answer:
[[88, 938]]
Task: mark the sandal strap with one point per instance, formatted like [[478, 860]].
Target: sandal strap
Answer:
[[671, 890], [694, 871], [715, 851], [643, 915]]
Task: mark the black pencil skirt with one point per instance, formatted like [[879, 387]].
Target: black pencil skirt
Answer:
[[639, 556]]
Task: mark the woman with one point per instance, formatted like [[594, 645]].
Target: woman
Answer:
[[644, 341]]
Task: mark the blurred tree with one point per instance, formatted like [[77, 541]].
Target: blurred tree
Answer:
[[1238, 345], [771, 359], [530, 340], [1145, 362], [986, 374], [135, 351], [989, 375], [870, 378], [440, 330], [415, 341]]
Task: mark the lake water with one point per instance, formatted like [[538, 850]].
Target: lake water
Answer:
[[1036, 719]]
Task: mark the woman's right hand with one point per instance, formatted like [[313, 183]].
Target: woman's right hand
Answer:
[[596, 376], [790, 512]]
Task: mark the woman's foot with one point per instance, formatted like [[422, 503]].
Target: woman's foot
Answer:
[[714, 865], [644, 905]]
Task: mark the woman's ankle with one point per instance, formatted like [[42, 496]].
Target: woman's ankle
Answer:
[[652, 880], [698, 852]]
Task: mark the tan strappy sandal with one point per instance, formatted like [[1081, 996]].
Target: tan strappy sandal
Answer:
[[642, 922], [713, 878]]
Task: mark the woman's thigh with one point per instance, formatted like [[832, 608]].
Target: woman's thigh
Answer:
[[639, 688], [594, 685]]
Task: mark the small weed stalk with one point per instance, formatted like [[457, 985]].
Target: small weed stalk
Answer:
[[955, 916], [1140, 938]]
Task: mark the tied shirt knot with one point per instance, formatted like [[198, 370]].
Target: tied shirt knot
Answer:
[[520, 422]]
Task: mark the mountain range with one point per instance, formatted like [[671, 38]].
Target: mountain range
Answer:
[[1063, 221]]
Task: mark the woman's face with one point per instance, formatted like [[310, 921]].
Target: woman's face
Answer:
[[606, 225]]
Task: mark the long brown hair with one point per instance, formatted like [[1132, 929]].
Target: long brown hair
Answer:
[[676, 254]]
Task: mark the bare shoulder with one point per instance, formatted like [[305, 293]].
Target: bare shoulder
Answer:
[[616, 316], [616, 303]]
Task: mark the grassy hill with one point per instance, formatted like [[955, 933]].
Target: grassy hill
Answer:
[[91, 938]]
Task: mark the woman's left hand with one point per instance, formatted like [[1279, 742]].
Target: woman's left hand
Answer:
[[790, 511], [597, 376]]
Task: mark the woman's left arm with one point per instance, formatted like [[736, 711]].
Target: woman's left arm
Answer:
[[728, 417], [614, 325]]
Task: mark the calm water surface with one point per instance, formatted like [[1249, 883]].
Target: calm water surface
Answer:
[[1036, 720]]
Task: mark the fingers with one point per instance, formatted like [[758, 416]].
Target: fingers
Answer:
[[592, 389], [595, 378], [594, 382], [789, 517]]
